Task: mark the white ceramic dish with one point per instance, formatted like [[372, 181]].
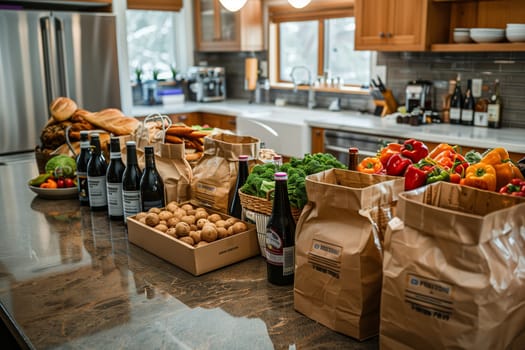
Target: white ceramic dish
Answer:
[[516, 26], [516, 36], [487, 35], [55, 193], [461, 37]]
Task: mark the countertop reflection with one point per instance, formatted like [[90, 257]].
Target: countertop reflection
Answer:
[[70, 279]]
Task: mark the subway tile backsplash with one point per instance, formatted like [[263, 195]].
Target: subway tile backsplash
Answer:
[[508, 67]]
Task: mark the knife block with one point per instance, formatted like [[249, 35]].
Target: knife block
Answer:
[[384, 101]]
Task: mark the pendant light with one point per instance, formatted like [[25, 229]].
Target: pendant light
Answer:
[[299, 4], [233, 5]]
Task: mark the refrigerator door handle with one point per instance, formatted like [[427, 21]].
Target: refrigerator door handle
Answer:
[[49, 64], [61, 57]]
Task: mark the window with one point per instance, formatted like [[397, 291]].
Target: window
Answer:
[[151, 43], [321, 40]]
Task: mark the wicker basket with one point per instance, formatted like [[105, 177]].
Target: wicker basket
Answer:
[[41, 159], [263, 205]]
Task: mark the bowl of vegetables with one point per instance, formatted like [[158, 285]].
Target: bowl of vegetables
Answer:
[[58, 181]]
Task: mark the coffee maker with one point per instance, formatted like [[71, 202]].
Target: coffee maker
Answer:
[[418, 95]]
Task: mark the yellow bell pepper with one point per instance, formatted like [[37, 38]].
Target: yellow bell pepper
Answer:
[[505, 169], [480, 175]]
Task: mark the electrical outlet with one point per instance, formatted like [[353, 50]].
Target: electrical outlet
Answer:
[[476, 87], [264, 69]]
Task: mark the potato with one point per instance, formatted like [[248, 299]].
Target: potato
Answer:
[[208, 233], [152, 219], [196, 236], [182, 229], [190, 211], [165, 215], [140, 215], [172, 206], [222, 232], [187, 206], [163, 222], [230, 230], [154, 210], [201, 222], [161, 227], [172, 232], [178, 213], [201, 214], [221, 223], [239, 227], [189, 219], [143, 220], [214, 217], [173, 221], [201, 244], [187, 240]]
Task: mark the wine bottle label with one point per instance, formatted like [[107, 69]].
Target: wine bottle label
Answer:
[[131, 203], [493, 111], [84, 144], [467, 115], [481, 118], [115, 207], [82, 184], [455, 114], [115, 155], [278, 255], [97, 191], [147, 205]]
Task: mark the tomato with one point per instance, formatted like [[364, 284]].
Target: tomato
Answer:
[[69, 182], [61, 183]]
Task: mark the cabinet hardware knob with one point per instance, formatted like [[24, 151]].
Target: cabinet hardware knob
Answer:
[[381, 34], [389, 35]]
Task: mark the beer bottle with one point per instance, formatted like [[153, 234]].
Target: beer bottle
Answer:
[[242, 175]]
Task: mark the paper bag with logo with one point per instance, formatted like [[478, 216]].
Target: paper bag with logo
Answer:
[[454, 271], [338, 249], [215, 173]]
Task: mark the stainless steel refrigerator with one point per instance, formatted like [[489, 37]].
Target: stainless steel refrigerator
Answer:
[[46, 54]]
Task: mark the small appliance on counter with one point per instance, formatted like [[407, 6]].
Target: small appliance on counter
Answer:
[[418, 95], [206, 84]]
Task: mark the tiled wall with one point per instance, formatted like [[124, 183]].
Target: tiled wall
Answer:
[[508, 67]]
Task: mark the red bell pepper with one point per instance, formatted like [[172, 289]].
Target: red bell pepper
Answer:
[[414, 150], [388, 151], [397, 165], [415, 177]]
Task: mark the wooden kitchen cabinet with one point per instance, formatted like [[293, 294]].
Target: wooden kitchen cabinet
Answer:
[[400, 25], [193, 118], [156, 5], [317, 140], [226, 122], [218, 29]]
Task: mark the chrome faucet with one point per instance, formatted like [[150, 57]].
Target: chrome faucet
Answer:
[[311, 92]]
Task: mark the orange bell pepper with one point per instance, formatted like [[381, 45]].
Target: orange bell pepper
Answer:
[[480, 175], [370, 165], [50, 183], [388, 151], [440, 148], [505, 169]]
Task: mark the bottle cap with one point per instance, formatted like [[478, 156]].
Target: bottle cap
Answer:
[[353, 150], [243, 157], [280, 176], [95, 135], [131, 143]]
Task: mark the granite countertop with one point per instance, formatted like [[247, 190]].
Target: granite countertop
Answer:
[[510, 138], [69, 279]]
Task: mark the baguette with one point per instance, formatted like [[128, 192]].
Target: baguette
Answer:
[[173, 139], [112, 120], [179, 130]]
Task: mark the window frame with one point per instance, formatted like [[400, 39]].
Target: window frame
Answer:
[[329, 9]]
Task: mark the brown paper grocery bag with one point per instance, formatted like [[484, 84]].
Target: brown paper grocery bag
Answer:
[[454, 271], [215, 173], [338, 249]]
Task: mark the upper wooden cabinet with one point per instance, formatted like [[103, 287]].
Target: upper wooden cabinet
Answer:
[[157, 5], [400, 25], [218, 29]]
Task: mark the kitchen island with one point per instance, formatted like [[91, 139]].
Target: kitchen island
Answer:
[[69, 279]]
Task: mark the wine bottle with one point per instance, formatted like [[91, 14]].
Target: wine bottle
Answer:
[[114, 180], [481, 111], [151, 184], [446, 102], [82, 162], [494, 107], [280, 236], [131, 182], [456, 103], [96, 176], [353, 158], [242, 175], [467, 113]]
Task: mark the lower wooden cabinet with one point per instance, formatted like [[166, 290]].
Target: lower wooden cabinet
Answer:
[[221, 121]]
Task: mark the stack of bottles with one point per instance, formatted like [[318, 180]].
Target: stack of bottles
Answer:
[[472, 108], [122, 190]]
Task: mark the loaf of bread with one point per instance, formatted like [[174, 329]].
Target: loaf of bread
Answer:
[[62, 108], [112, 120]]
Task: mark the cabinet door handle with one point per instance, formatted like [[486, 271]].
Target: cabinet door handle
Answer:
[[389, 35], [381, 34]]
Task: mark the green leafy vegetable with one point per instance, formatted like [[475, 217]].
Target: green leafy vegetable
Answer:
[[61, 165]]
